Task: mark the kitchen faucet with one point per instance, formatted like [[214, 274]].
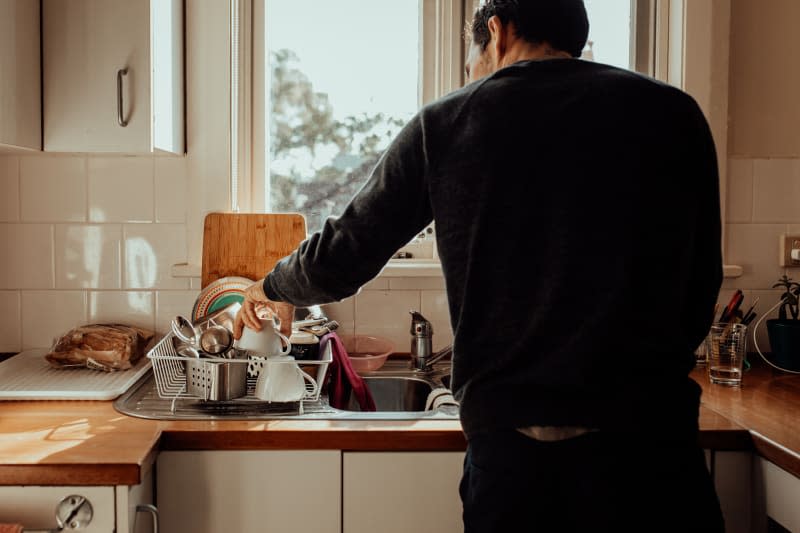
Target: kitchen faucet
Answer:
[[422, 358]]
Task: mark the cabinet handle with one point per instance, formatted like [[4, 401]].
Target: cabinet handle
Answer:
[[147, 508], [120, 119]]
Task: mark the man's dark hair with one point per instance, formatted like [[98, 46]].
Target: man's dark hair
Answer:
[[563, 24]]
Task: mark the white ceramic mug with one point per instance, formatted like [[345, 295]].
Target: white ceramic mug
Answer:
[[269, 341], [281, 380]]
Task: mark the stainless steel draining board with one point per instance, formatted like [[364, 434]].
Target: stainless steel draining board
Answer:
[[143, 401]]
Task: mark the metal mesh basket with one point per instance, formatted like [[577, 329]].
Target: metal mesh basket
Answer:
[[217, 378]]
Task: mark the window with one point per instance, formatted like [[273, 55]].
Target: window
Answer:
[[339, 79], [609, 32], [344, 78]]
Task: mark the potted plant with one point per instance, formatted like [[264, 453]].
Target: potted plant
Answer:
[[784, 331]]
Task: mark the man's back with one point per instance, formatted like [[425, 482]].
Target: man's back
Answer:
[[577, 220]]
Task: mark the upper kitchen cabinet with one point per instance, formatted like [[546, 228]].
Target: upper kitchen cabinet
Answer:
[[20, 76], [113, 76]]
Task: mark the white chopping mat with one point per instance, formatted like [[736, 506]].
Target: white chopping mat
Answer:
[[28, 376]]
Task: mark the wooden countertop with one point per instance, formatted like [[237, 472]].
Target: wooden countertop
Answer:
[[767, 404], [89, 443]]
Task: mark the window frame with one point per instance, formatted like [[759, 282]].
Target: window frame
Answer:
[[441, 71]]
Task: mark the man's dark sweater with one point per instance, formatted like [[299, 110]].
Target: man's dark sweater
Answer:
[[578, 224]]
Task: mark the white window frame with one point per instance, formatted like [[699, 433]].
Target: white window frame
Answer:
[[441, 71]]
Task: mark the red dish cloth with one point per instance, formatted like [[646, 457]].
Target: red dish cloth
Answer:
[[10, 528], [343, 379]]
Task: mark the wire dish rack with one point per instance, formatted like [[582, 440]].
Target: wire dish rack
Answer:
[[222, 379]]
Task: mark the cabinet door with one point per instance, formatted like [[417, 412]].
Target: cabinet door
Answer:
[[733, 481], [20, 75], [398, 492], [86, 43], [776, 496], [34, 507], [129, 499], [253, 491]]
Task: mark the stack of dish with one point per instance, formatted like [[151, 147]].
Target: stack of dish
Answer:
[[220, 294]]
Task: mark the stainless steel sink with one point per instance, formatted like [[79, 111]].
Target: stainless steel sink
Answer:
[[400, 393], [395, 393]]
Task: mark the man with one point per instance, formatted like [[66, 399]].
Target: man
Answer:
[[578, 224]]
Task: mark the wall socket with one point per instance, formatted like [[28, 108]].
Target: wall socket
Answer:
[[787, 244]]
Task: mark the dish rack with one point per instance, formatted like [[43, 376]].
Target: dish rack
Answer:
[[222, 379]]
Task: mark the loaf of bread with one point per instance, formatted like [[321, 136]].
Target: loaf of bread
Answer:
[[106, 347]]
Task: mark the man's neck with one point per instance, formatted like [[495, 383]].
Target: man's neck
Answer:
[[522, 51]]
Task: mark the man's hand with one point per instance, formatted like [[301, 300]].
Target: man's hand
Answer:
[[256, 305]]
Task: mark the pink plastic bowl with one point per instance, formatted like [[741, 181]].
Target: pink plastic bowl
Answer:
[[367, 353]]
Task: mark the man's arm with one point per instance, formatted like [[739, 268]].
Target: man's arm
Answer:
[[349, 251]]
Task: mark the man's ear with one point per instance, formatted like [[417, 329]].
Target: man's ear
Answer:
[[498, 40]]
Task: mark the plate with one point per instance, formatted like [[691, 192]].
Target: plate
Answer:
[[219, 294]]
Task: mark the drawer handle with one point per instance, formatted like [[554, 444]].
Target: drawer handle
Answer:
[[120, 118], [147, 508]]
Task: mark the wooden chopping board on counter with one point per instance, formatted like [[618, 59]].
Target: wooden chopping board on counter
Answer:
[[248, 244]]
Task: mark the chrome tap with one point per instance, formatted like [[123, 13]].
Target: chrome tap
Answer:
[[422, 356]]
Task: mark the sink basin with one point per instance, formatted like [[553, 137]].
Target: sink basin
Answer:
[[399, 393], [395, 393]]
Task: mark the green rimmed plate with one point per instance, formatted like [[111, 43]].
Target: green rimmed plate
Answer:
[[220, 294]]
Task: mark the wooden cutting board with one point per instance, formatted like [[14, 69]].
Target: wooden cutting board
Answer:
[[248, 244]]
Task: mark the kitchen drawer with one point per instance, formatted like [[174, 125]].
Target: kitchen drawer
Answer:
[[34, 507]]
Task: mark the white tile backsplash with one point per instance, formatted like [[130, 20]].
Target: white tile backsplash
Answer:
[[386, 314], [171, 189], [740, 190], [434, 307], [135, 308], [88, 256], [776, 196], [46, 315], [170, 304], [9, 189], [755, 248], [121, 189], [149, 253], [419, 284], [376, 284], [344, 313], [27, 256], [52, 189], [10, 322]]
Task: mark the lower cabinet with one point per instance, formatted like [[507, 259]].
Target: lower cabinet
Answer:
[[756, 496], [776, 498], [109, 509], [324, 491], [732, 473], [250, 491], [399, 492]]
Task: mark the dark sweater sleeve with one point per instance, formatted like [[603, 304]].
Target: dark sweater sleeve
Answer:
[[350, 250]]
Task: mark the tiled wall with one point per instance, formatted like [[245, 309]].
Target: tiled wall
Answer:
[[92, 239], [763, 203]]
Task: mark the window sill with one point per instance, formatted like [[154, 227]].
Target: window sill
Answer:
[[404, 268], [395, 268]]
